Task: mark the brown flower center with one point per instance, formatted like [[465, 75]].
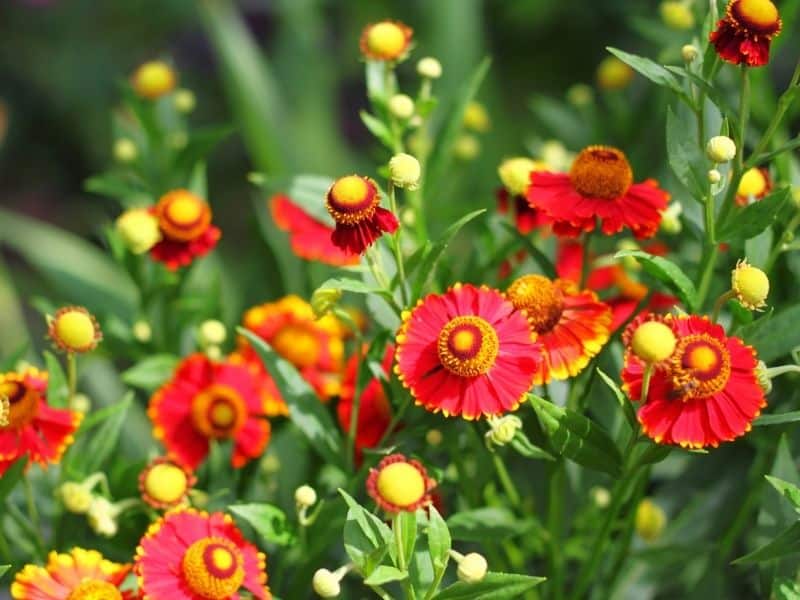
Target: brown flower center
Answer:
[[540, 298], [601, 172], [23, 400], [218, 412]]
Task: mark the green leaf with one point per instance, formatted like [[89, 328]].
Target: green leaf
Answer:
[[407, 523], [57, 388], [103, 441], [150, 373], [442, 151], [128, 191], [495, 586], [305, 409], [541, 259], [11, 477], [385, 574], [786, 543], [366, 537], [378, 128], [774, 336], [666, 272], [480, 524], [79, 270], [94, 418], [656, 73], [577, 438], [786, 489], [356, 286], [748, 222], [4, 569], [778, 419], [439, 541], [687, 161], [785, 588], [528, 449], [624, 402], [269, 521]]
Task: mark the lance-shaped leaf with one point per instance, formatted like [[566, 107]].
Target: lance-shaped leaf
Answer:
[[269, 521], [666, 272], [495, 586], [786, 543], [366, 537], [751, 220]]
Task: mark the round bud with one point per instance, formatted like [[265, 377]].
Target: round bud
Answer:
[[714, 177], [326, 584], [677, 15], [185, 101], [142, 332], [653, 341], [405, 171], [80, 403], [467, 147], [429, 67], [125, 150], [305, 496], [650, 520], [750, 284], [401, 106], [721, 149], [580, 95], [472, 568], [211, 333], [689, 53], [476, 118]]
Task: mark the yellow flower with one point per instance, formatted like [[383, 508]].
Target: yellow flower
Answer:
[[750, 285], [613, 74], [211, 333], [139, 230], [650, 520], [387, 40], [753, 183], [476, 118], [74, 329], [515, 173], [653, 341], [154, 79], [125, 150], [676, 14], [467, 147]]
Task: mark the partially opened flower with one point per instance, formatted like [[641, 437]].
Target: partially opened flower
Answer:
[[704, 393], [571, 325], [165, 483], [205, 401], [400, 484], [386, 40], [75, 575], [754, 184], [745, 33], [354, 203], [186, 230], [74, 329], [467, 352], [310, 239], [599, 187], [190, 555], [33, 428]]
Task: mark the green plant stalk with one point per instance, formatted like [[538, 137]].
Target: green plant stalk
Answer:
[[555, 525], [711, 251], [720, 303], [398, 252], [402, 562], [506, 481], [780, 246], [587, 259], [738, 162], [354, 409], [72, 375], [25, 524], [5, 551], [784, 103]]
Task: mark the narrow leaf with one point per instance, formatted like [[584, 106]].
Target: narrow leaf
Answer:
[[269, 521], [754, 218], [666, 272], [495, 586], [151, 372]]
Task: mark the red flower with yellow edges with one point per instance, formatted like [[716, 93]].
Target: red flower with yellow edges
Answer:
[[400, 484], [186, 230], [310, 239], [314, 346], [745, 33], [273, 403], [572, 325], [205, 401], [190, 555], [76, 574], [386, 40], [467, 352], [354, 203], [375, 412], [31, 427], [704, 393], [754, 184], [165, 483], [600, 187]]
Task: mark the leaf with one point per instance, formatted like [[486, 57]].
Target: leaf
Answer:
[[778, 419], [481, 524], [667, 272], [57, 388], [495, 586], [11, 477], [407, 522], [439, 541], [201, 142], [366, 538], [656, 73], [685, 158], [786, 489], [385, 574], [125, 189], [785, 589], [150, 373], [559, 121], [103, 441], [528, 449], [356, 286], [786, 543], [774, 336], [378, 128], [545, 264], [269, 521], [577, 438], [96, 417], [4, 569], [754, 218], [624, 402], [305, 409]]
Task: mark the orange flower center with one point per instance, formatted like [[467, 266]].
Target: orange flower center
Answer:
[[601, 172], [700, 366], [218, 412], [213, 568], [386, 40], [182, 216], [401, 484], [761, 14], [468, 346], [540, 298], [94, 589], [352, 199], [23, 401], [297, 344]]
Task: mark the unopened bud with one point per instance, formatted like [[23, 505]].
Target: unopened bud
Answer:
[[125, 150], [472, 568], [721, 149], [401, 106], [429, 67], [689, 53], [714, 177], [211, 333], [305, 496]]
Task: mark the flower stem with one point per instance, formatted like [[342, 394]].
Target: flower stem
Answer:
[[355, 408], [402, 562], [396, 247], [72, 375], [506, 481], [720, 303], [783, 105], [555, 518]]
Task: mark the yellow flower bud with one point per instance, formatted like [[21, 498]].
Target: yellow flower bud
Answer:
[[76, 497], [139, 230], [476, 118], [323, 301], [401, 106], [270, 463], [670, 219], [676, 14], [125, 150], [74, 329], [613, 74], [326, 584], [650, 520], [185, 101], [721, 149], [429, 68], [80, 403], [472, 568], [714, 177], [305, 496], [503, 430], [600, 496], [689, 53], [752, 184], [653, 341], [102, 517], [142, 332], [405, 171], [434, 437], [467, 147], [580, 95], [515, 173], [154, 79], [211, 333], [750, 285]]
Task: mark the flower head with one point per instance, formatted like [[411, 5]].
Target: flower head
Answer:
[[75, 575], [750, 285], [677, 14], [429, 68], [613, 74], [207, 400], [706, 392], [139, 230], [305, 496], [721, 149], [745, 33], [153, 79], [400, 484], [354, 203], [386, 40], [190, 555], [401, 106], [184, 220], [74, 329], [467, 352], [600, 187], [754, 184], [326, 584], [405, 171], [472, 568], [650, 520], [689, 53], [165, 483]]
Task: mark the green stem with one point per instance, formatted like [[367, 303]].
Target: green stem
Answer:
[[780, 245], [506, 481], [720, 303], [72, 375], [354, 409], [555, 525], [30, 499], [4, 549], [402, 563], [396, 247], [784, 103], [25, 524], [706, 273], [776, 371]]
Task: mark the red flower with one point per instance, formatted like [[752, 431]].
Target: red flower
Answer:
[[745, 34], [31, 427], [400, 484], [190, 555], [310, 239], [526, 218], [206, 401], [353, 202], [186, 229], [705, 393], [598, 186], [467, 352]]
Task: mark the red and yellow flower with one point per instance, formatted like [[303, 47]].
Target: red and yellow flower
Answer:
[[754, 184], [310, 239], [354, 203], [33, 428], [515, 175], [745, 33], [273, 402], [75, 575], [467, 352], [600, 187], [165, 483], [74, 329], [207, 400], [386, 40], [184, 220], [571, 325], [190, 555], [400, 484], [704, 393]]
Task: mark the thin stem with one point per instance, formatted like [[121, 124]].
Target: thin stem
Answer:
[[396, 247], [720, 303], [30, 499], [709, 262], [783, 105], [4, 548], [648, 373], [506, 481], [780, 246], [776, 371], [355, 408], [72, 375], [402, 563], [587, 259], [555, 524]]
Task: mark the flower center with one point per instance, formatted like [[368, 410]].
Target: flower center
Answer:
[[352, 199], [213, 568], [94, 589], [166, 483], [75, 329], [601, 172], [386, 39], [468, 346], [401, 484], [23, 400], [298, 345], [540, 298], [700, 366], [762, 14], [753, 183], [183, 216], [218, 412]]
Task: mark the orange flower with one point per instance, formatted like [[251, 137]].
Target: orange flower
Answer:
[[400, 484], [386, 40], [187, 232], [745, 34]]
